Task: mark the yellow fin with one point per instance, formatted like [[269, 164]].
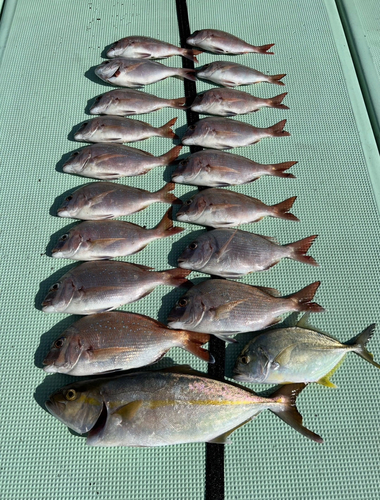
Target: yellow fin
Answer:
[[128, 411], [224, 438], [326, 379]]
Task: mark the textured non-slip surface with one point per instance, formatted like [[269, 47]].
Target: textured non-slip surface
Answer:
[[45, 87]]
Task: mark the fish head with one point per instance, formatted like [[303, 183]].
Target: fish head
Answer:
[[87, 130], [72, 204], [107, 69], [203, 130], [102, 103], [187, 313], [197, 254], [190, 135], [251, 365], [203, 72], [59, 296], [197, 37], [192, 209], [68, 244], [77, 161], [64, 353], [77, 405], [187, 170]]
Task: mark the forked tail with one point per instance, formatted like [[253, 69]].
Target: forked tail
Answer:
[[193, 343], [278, 169], [276, 79], [276, 102], [179, 103], [277, 130], [302, 299], [171, 155], [176, 277], [360, 342], [165, 228], [166, 130], [187, 73], [263, 49], [191, 53], [165, 196], [281, 210], [299, 249]]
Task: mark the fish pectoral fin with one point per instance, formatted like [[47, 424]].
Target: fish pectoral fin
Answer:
[[224, 248], [283, 358], [99, 198], [224, 438], [223, 311], [128, 411], [107, 241]]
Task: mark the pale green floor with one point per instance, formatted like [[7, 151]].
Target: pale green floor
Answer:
[[44, 90]]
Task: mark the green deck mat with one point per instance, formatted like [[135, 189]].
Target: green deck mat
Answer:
[[45, 87]]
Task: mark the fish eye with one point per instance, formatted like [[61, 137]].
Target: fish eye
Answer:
[[76, 153], [59, 342], [245, 360], [189, 202], [69, 198], [64, 237], [55, 286], [182, 302], [195, 33], [192, 127], [193, 245], [71, 395]]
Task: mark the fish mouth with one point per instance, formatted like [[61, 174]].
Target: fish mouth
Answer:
[[47, 306], [49, 368], [63, 212], [241, 377], [111, 53]]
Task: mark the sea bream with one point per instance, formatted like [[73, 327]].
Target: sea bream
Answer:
[[107, 200], [212, 168], [221, 42], [166, 407], [107, 239], [299, 353], [115, 341], [117, 129], [124, 102], [218, 207], [232, 253], [223, 308], [145, 47], [94, 287], [231, 74], [230, 102], [135, 73], [112, 161], [225, 133]]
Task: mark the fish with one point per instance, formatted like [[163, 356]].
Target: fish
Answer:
[[230, 102], [106, 200], [221, 42], [107, 239], [212, 168], [167, 407], [230, 74], [299, 353], [145, 47], [124, 102], [224, 133], [114, 341], [224, 308], [117, 129], [232, 253], [95, 287], [135, 73], [112, 161], [216, 207]]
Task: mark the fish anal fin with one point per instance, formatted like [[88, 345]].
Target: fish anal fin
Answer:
[[326, 379], [224, 438]]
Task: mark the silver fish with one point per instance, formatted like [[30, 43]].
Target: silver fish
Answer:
[[224, 133], [120, 130], [106, 200], [94, 287], [114, 341], [230, 102], [112, 161], [231, 74], [299, 353], [123, 102], [223, 308], [221, 42], [217, 168], [232, 253], [135, 73], [145, 47], [107, 239], [223, 208], [167, 407]]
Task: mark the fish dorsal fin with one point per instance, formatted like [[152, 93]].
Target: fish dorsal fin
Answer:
[[224, 438], [326, 379], [269, 238], [128, 411], [273, 292], [304, 323], [183, 369], [143, 268]]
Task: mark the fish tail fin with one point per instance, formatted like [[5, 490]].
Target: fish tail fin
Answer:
[[190, 54], [276, 102], [299, 249], [165, 228], [281, 210], [263, 49], [360, 342], [194, 342], [171, 155], [276, 79], [166, 130], [277, 130], [165, 196], [302, 299], [287, 410], [179, 103], [187, 73], [278, 169], [176, 277]]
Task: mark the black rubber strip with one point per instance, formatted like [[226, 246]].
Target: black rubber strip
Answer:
[[214, 452]]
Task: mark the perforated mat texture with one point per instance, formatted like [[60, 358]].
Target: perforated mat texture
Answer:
[[45, 87]]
